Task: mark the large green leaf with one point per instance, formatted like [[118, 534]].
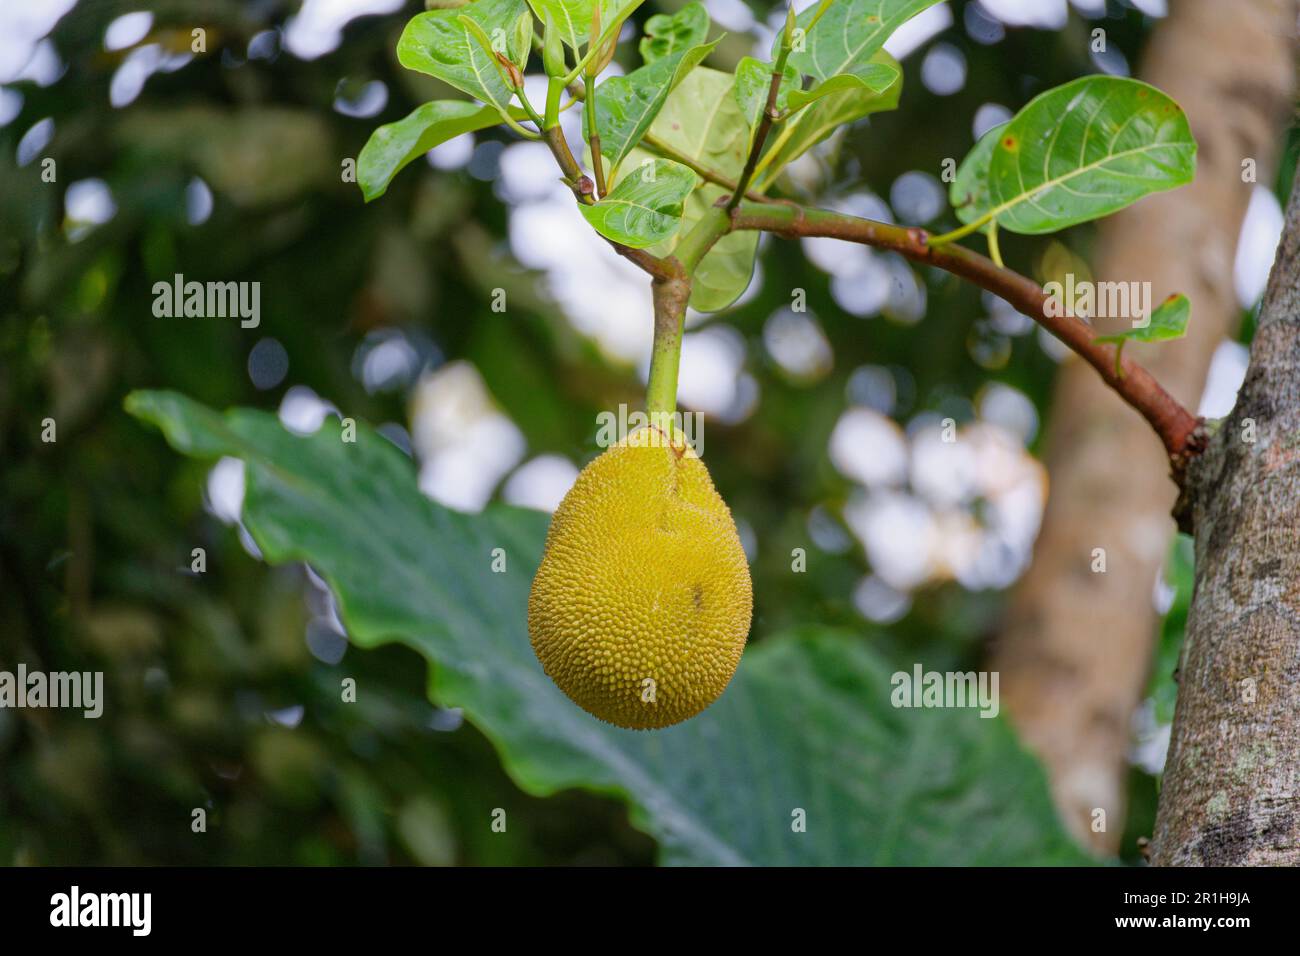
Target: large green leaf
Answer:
[[393, 145], [969, 191], [440, 44], [848, 35], [806, 724], [836, 103], [666, 35], [702, 121], [1080, 151], [646, 205], [627, 105]]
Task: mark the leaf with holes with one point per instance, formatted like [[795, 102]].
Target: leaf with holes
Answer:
[[806, 729], [1082, 151], [646, 205], [440, 44]]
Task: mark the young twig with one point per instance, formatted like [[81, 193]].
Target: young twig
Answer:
[[593, 134], [770, 113]]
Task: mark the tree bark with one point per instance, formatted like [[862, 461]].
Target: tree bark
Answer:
[[1075, 650], [1231, 792]]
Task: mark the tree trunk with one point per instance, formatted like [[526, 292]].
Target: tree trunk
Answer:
[[1075, 652], [1231, 790]]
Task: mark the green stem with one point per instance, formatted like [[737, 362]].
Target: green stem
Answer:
[[593, 133], [964, 231], [671, 296], [554, 90], [528, 107], [554, 138], [523, 131], [995, 253]]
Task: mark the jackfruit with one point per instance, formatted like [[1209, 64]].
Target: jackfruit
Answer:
[[641, 606]]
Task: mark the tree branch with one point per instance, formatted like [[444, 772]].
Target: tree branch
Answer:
[[1178, 429]]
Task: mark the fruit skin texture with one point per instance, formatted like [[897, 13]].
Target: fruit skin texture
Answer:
[[643, 576]]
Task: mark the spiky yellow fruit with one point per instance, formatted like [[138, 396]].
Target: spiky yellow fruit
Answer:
[[641, 606]]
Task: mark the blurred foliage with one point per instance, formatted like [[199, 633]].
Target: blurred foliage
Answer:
[[804, 727], [202, 671]]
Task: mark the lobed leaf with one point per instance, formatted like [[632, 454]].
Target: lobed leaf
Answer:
[[805, 725], [645, 207]]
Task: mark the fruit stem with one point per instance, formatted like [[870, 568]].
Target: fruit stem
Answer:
[[672, 293], [670, 297]]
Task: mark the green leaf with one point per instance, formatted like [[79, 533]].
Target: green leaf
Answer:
[[627, 105], [666, 35], [969, 192], [848, 35], [754, 82], [805, 724], [1168, 321], [875, 79], [393, 145], [702, 121], [836, 103], [646, 205], [438, 43], [573, 17], [1085, 150]]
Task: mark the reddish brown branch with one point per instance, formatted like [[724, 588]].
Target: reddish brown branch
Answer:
[[1179, 429]]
